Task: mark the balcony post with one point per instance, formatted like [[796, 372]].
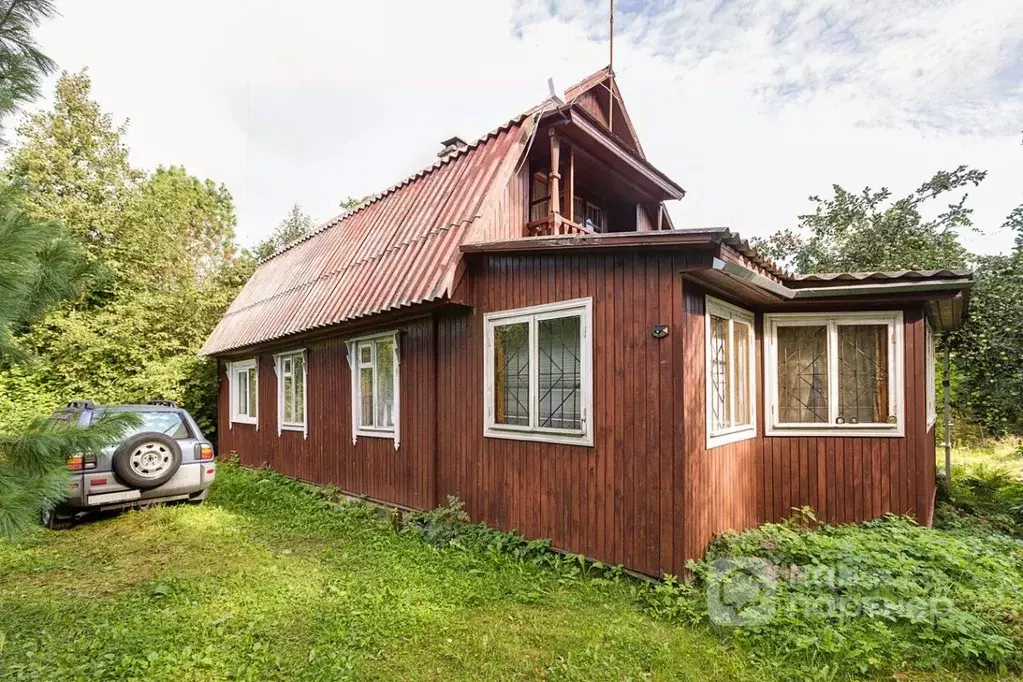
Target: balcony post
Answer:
[[555, 182], [570, 187]]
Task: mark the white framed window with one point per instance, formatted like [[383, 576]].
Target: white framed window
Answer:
[[731, 371], [292, 391], [243, 385], [538, 373], [930, 371], [834, 374], [376, 407]]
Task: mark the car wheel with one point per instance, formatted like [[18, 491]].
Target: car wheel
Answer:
[[54, 521], [147, 460]]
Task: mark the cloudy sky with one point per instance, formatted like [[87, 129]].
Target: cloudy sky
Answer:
[[751, 106]]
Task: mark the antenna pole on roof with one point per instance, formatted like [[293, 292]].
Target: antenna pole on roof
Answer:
[[611, 71], [611, 49]]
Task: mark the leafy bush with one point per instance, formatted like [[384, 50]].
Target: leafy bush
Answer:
[[840, 601]]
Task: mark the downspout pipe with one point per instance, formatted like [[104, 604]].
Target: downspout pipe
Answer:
[[946, 385]]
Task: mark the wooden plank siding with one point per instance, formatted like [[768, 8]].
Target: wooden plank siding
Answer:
[[648, 494], [372, 466], [615, 501]]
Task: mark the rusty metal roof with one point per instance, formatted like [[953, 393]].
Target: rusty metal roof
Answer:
[[395, 250]]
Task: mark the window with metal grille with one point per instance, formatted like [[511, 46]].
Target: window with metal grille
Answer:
[[538, 367], [243, 378], [835, 373], [731, 396]]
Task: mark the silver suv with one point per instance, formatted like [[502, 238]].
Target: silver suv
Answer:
[[164, 459]]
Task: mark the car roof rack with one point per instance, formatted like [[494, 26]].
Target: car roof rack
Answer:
[[163, 403], [81, 405]]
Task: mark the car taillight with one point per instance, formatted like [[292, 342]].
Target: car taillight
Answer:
[[204, 452], [81, 462]]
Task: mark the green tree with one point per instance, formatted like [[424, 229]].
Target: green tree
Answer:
[[22, 63], [870, 231], [989, 347], [292, 228], [75, 164], [39, 266], [164, 244]]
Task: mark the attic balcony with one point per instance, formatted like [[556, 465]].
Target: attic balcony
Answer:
[[579, 180]]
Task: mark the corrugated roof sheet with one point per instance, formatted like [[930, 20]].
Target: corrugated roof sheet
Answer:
[[880, 275], [395, 250]]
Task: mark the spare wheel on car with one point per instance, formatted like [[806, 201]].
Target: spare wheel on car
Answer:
[[147, 460]]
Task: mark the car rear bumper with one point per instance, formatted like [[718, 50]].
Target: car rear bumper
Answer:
[[104, 491]]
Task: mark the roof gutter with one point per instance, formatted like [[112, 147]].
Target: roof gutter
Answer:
[[741, 272], [885, 288], [745, 274]]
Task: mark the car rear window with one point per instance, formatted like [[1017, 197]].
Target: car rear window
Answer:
[[169, 423]]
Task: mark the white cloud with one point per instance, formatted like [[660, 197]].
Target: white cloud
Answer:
[[750, 106]]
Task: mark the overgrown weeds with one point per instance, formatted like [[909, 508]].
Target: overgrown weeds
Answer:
[[812, 601]]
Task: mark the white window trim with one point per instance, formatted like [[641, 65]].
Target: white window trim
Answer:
[[583, 307], [233, 370], [930, 371], [896, 361], [353, 364], [292, 426], [734, 434]]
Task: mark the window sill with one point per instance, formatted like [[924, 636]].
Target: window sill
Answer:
[[250, 421], [389, 435], [835, 432], [583, 439], [731, 437], [293, 427]]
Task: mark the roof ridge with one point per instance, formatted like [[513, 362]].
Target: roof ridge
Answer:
[[376, 256], [342, 217]]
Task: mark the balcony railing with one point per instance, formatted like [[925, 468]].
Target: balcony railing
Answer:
[[554, 224]]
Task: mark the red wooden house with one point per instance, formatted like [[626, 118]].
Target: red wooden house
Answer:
[[519, 325]]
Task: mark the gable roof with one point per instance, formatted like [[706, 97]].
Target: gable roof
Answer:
[[607, 104], [399, 248]]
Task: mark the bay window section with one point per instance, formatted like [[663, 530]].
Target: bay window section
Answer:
[[375, 386], [731, 394], [834, 373], [538, 373], [243, 383]]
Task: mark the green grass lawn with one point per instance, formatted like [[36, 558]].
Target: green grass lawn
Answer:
[[271, 580], [263, 583]]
